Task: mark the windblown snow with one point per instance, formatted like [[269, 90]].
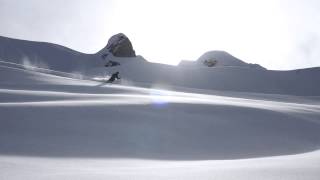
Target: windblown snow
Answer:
[[158, 122]]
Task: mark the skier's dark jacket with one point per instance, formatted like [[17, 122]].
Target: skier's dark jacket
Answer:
[[114, 77]]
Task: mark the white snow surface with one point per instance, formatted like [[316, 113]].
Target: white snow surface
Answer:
[[57, 127], [157, 122]]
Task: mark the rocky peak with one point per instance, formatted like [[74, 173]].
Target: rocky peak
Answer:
[[118, 45]]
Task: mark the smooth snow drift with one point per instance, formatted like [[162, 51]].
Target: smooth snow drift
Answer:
[[55, 127]]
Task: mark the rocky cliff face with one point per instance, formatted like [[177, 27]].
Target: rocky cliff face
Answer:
[[120, 46]]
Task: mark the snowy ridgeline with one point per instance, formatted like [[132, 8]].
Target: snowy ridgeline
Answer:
[[228, 72], [57, 123]]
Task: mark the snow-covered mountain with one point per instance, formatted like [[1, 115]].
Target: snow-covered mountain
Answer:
[[219, 59], [60, 121], [228, 72], [46, 55]]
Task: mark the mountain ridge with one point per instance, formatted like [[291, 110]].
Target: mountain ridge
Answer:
[[241, 77]]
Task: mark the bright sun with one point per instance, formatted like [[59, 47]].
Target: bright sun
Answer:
[[169, 31]]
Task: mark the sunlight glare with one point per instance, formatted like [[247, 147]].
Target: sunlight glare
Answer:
[[169, 31]]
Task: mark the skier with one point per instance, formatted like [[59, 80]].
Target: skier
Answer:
[[113, 77]]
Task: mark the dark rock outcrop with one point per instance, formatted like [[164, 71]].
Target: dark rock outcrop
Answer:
[[120, 46]]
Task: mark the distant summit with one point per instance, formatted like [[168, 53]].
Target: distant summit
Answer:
[[218, 59], [221, 58], [118, 45]]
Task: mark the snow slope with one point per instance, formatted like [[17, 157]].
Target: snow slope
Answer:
[[295, 167], [56, 127], [46, 55], [158, 122]]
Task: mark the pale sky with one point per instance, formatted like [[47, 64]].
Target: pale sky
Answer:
[[277, 34]]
